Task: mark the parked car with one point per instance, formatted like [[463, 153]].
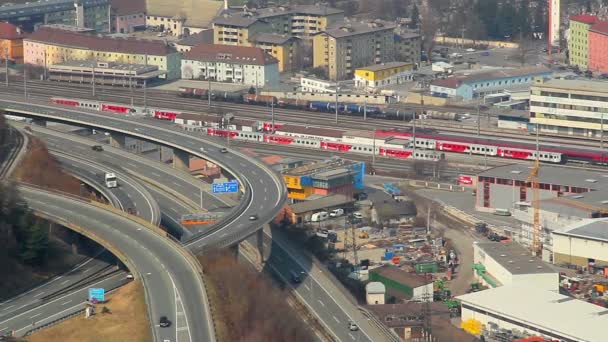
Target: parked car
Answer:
[[320, 216], [337, 212], [470, 50], [485, 53], [358, 215], [97, 148]]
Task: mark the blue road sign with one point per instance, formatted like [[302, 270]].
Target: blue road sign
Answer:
[[228, 187], [97, 294]]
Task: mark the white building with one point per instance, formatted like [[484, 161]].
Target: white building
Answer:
[[569, 107], [315, 85], [526, 308], [583, 244], [375, 293], [510, 263], [236, 64]]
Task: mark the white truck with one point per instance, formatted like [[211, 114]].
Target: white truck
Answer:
[[111, 181]]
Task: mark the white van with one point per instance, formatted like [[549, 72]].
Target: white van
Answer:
[[320, 216], [502, 212]]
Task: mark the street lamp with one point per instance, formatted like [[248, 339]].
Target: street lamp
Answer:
[[337, 91]]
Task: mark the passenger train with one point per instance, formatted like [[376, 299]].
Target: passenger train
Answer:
[[429, 144]]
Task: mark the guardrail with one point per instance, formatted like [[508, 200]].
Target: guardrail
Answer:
[[387, 331]]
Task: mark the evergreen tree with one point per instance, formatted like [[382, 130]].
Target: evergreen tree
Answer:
[[35, 243], [415, 17]]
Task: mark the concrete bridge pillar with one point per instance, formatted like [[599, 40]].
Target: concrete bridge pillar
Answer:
[[181, 160], [117, 140], [235, 250], [259, 237]]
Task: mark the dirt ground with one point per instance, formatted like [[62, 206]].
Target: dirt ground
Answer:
[[127, 321]]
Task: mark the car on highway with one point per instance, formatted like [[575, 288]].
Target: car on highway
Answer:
[[97, 148], [253, 217], [224, 150], [164, 322], [358, 215], [296, 277], [352, 326]]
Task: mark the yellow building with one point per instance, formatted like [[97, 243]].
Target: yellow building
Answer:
[[379, 75], [11, 43], [344, 48], [284, 48], [47, 46]]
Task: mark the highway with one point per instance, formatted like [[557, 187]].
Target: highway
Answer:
[[323, 297], [264, 190], [166, 274]]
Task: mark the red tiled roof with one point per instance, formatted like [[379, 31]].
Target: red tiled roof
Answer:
[[9, 31], [600, 27], [99, 43], [451, 82], [231, 54], [584, 18]]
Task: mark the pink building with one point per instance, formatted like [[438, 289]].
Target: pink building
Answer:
[[598, 47], [127, 15]]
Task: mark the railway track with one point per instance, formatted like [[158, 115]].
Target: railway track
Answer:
[[168, 99]]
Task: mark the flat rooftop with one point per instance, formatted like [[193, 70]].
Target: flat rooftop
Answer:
[[384, 66], [319, 168], [552, 175], [515, 258], [412, 280], [592, 229], [326, 202], [562, 315], [577, 85]]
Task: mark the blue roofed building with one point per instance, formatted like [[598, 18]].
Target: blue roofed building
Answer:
[[480, 84]]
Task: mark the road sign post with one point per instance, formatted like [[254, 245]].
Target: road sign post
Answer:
[[97, 295], [223, 188]]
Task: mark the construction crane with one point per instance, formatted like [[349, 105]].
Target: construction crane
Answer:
[[533, 180]]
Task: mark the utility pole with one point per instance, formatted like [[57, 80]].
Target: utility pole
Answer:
[[145, 98], [365, 109], [208, 90], [6, 66], [95, 64], [602, 136], [374, 149], [25, 82], [478, 121], [272, 113], [337, 90], [201, 188]]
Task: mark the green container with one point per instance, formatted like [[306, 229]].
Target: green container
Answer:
[[429, 267]]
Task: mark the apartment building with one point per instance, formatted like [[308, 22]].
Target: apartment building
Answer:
[[236, 64], [11, 43], [351, 45], [127, 16], [408, 46], [234, 27], [181, 17], [569, 107], [282, 47], [48, 46], [578, 43]]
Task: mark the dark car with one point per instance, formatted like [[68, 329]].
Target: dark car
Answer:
[[164, 322], [97, 148], [603, 76]]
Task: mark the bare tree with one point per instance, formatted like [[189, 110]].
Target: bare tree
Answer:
[[524, 51], [429, 25]]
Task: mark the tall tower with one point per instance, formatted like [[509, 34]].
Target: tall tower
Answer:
[[554, 23]]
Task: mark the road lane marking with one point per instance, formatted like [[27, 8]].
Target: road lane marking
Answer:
[[320, 302], [337, 320], [65, 282], [36, 315], [69, 301], [8, 307], [40, 294], [351, 336], [306, 286], [22, 306]]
